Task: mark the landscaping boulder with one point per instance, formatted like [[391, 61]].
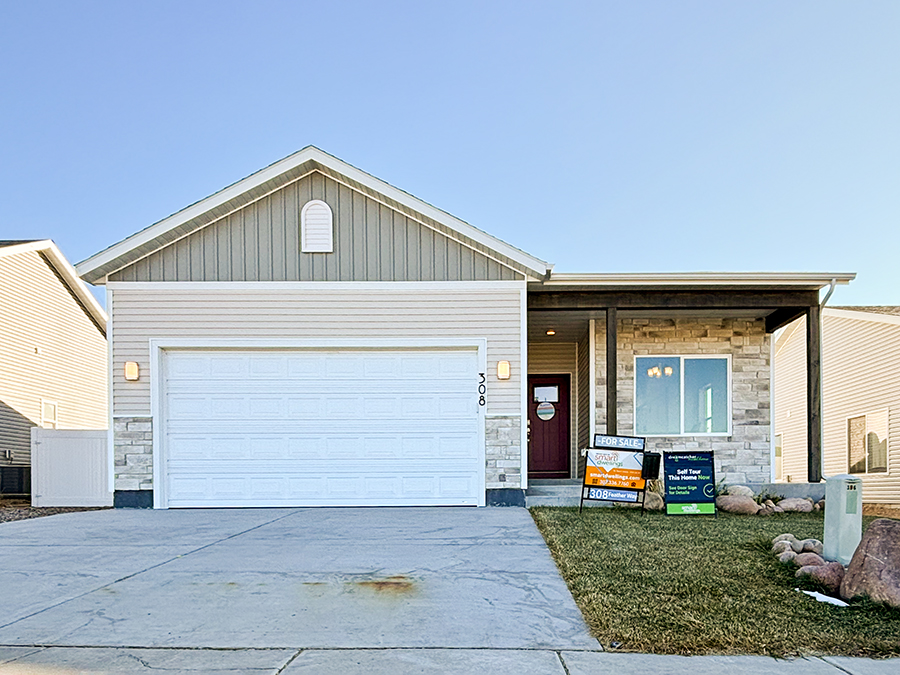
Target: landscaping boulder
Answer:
[[778, 509], [812, 546], [797, 505], [740, 491], [830, 575], [769, 503], [765, 511], [787, 556], [654, 502], [781, 546], [787, 536], [875, 567], [797, 545], [737, 504], [811, 559], [821, 504]]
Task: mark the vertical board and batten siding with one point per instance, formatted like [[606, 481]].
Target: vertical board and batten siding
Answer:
[[39, 312], [789, 375], [859, 361], [553, 358], [328, 314], [372, 242]]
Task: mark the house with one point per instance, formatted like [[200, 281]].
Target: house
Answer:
[[53, 353], [314, 336], [860, 400]]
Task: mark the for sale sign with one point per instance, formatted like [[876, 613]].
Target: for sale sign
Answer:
[[614, 469]]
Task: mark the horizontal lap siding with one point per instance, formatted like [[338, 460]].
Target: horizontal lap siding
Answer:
[[861, 361], [38, 311], [790, 401], [401, 314], [372, 242]]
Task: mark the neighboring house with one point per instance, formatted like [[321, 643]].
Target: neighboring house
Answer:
[[860, 399], [314, 336], [53, 354]]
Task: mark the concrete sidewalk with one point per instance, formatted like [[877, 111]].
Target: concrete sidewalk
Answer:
[[102, 661]]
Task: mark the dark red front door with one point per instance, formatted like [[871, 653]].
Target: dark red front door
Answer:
[[548, 419]]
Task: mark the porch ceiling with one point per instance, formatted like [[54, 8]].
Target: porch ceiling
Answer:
[[571, 325]]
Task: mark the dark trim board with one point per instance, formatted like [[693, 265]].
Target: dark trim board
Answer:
[[505, 497], [637, 300]]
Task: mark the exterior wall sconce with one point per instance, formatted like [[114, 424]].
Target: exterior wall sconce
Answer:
[[503, 370], [132, 371]]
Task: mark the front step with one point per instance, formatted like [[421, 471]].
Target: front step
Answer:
[[548, 492]]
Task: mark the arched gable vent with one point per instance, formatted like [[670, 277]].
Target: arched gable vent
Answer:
[[316, 228]]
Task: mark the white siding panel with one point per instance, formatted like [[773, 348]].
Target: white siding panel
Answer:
[[463, 311], [49, 349], [860, 359]]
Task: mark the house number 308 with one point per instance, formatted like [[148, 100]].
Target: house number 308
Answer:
[[482, 389]]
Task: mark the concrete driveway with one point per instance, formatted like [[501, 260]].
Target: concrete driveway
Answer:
[[276, 581]]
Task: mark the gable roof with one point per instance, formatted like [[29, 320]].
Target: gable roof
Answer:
[[65, 271], [275, 176]]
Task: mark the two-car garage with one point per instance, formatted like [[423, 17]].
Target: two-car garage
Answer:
[[320, 426]]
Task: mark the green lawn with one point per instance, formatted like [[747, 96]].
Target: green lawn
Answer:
[[699, 585]]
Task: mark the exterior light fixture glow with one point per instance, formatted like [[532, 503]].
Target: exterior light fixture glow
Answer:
[[132, 371], [503, 370], [551, 332]]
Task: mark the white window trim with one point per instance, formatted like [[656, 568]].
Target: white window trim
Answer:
[[682, 434], [44, 420], [887, 438]]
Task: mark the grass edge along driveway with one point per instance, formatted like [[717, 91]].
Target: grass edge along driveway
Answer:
[[702, 585]]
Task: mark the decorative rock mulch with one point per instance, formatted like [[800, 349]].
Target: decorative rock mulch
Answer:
[[741, 500], [806, 555], [23, 511]]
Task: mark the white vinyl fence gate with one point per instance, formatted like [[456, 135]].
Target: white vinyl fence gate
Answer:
[[69, 467]]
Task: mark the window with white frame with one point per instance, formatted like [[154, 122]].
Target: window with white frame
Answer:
[[316, 228], [48, 414], [682, 395], [867, 443]]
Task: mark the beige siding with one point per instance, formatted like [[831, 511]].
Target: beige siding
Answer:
[[560, 358], [583, 418], [470, 310], [860, 359], [790, 400], [552, 358], [372, 242], [39, 313]]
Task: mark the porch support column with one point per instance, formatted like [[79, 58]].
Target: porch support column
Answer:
[[814, 393], [612, 361]]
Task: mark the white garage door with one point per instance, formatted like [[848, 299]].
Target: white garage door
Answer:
[[322, 428]]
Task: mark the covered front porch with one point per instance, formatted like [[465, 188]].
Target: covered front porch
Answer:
[[682, 359]]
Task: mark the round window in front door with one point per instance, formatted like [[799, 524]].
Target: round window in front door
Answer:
[[546, 411]]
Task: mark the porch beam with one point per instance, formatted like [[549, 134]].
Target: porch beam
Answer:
[[612, 360], [814, 393], [782, 317], [632, 300]]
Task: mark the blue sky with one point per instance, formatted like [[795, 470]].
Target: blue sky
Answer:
[[600, 136]]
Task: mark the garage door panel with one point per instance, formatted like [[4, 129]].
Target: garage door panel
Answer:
[[322, 428]]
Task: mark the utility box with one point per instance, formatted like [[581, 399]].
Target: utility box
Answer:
[[843, 517]]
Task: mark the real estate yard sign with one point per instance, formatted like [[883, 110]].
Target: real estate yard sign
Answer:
[[613, 470], [690, 483]]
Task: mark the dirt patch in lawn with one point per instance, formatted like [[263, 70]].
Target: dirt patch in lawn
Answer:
[[703, 585], [20, 509]]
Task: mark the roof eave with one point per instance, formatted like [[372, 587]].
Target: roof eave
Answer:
[[65, 269], [794, 280]]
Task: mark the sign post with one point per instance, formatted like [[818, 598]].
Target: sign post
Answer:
[[690, 483], [613, 471]]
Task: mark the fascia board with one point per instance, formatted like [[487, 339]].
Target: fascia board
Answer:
[[863, 316], [799, 279], [66, 271], [310, 153]]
